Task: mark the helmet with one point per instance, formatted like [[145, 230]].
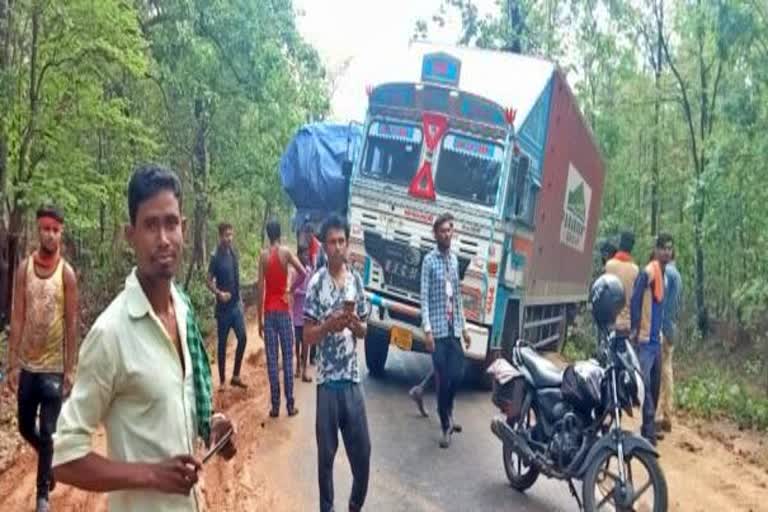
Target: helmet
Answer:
[[607, 300]]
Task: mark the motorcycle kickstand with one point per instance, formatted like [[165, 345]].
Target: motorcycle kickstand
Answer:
[[575, 495]]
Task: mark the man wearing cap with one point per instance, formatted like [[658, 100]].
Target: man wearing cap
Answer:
[[43, 342]]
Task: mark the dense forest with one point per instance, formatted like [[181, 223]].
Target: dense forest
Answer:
[[675, 92], [88, 89]]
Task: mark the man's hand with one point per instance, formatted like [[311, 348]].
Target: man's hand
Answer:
[[220, 425], [467, 338], [429, 342], [337, 321], [67, 384], [176, 475], [12, 380], [224, 297]]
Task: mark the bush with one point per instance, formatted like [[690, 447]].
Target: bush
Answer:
[[711, 394]]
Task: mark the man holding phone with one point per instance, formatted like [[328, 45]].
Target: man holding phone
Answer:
[[143, 374], [335, 310]]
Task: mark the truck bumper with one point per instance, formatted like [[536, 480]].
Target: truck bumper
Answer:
[[380, 319]]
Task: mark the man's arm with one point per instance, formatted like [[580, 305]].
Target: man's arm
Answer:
[[260, 293], [315, 329], [636, 304], [17, 318], [424, 293], [71, 316], [357, 324], [295, 263], [95, 473], [211, 279], [74, 462]]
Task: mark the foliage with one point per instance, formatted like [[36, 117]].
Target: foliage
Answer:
[[695, 168], [213, 89], [711, 394]]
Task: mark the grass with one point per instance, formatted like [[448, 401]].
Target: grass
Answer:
[[711, 393]]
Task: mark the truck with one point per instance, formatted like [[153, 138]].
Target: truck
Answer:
[[498, 140]]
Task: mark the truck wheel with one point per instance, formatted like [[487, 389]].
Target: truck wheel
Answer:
[[376, 350]]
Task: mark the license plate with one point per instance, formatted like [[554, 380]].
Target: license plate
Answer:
[[401, 338]]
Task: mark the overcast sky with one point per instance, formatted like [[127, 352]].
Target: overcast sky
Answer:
[[364, 32]]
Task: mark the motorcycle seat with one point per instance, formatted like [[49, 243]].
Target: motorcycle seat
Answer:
[[544, 373]]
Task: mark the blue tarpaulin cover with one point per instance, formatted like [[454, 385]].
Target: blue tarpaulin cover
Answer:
[[311, 167]]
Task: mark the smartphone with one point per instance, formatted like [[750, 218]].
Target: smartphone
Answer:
[[218, 446]]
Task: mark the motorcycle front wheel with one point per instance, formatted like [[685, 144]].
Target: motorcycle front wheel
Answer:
[[645, 487]]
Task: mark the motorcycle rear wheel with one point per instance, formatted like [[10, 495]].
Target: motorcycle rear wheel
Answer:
[[521, 476]]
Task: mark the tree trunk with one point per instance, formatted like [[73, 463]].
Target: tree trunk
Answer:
[[705, 121], [657, 68], [516, 27], [200, 170]]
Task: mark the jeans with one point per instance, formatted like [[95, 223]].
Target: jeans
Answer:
[[278, 337], [448, 363], [40, 393], [342, 407], [649, 355], [226, 320]]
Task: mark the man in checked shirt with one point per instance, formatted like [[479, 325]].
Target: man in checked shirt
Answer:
[[443, 321]]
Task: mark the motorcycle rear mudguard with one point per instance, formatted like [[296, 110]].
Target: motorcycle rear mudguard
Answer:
[[632, 443]]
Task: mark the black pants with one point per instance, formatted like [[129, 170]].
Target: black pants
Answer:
[[226, 320], [40, 393], [342, 408], [448, 363]]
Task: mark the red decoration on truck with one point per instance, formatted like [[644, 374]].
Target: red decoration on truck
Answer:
[[510, 114], [422, 185]]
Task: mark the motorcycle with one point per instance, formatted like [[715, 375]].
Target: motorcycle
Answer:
[[567, 424]]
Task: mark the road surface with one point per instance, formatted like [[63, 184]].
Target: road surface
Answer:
[[276, 466], [409, 471]]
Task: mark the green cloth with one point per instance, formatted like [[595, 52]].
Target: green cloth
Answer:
[[201, 373]]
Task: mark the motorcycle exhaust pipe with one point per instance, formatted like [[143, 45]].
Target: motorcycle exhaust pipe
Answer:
[[505, 434]]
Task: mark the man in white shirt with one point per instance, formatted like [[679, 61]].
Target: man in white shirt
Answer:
[[143, 373]]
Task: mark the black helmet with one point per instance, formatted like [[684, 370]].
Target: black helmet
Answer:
[[607, 300]]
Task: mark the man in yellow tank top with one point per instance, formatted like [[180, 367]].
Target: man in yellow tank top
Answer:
[[43, 342]]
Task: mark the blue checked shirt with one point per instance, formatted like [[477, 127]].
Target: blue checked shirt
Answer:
[[434, 301]]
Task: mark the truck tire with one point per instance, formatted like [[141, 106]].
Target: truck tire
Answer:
[[376, 351]]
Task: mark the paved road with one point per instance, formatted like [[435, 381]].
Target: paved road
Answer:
[[409, 472]]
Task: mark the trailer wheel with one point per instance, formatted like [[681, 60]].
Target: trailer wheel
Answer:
[[376, 350]]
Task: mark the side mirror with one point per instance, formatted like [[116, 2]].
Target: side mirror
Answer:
[[521, 179]]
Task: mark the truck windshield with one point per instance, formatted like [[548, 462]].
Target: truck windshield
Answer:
[[469, 169], [392, 152]]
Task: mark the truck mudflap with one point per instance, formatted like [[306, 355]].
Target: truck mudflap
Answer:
[[380, 318]]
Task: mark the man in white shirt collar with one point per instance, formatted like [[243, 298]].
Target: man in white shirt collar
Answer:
[[137, 373]]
